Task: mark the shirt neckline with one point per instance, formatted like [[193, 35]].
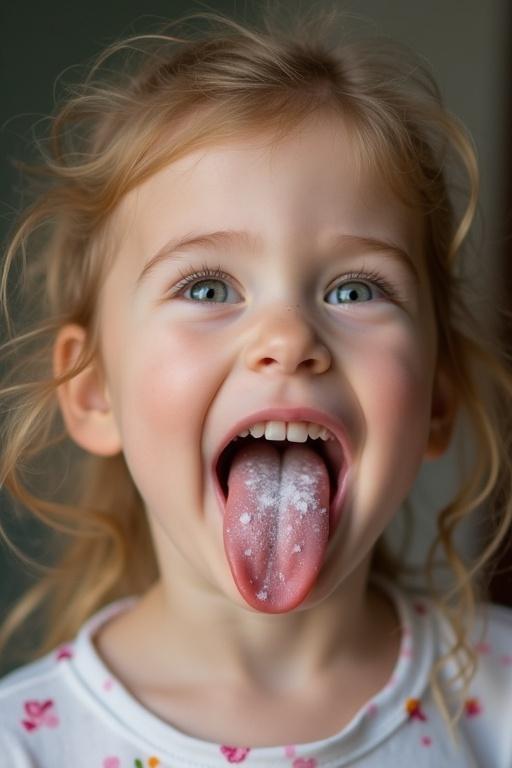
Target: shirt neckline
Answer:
[[374, 722]]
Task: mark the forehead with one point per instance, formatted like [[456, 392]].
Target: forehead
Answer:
[[299, 189]]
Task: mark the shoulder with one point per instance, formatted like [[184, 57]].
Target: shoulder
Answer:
[[49, 714], [27, 705], [490, 636], [487, 707], [492, 642], [33, 672], [62, 672], [59, 707], [26, 694], [484, 724]]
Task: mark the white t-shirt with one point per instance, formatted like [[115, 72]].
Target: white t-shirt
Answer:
[[66, 710]]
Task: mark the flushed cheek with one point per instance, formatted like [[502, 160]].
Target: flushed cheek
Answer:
[[394, 394], [167, 390], [392, 385], [398, 404]]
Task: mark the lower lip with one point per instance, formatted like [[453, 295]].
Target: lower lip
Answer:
[[335, 506]]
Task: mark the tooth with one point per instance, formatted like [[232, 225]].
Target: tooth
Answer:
[[314, 430], [275, 430], [297, 432], [257, 430], [294, 431]]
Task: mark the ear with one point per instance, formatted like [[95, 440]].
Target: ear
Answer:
[[443, 414], [84, 399]]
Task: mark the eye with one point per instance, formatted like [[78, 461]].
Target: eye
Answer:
[[354, 290], [205, 286], [209, 290], [214, 286]]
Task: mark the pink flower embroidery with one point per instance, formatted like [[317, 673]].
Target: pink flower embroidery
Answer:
[[302, 762], [426, 741], [64, 652], [235, 754], [289, 751], [506, 660], [40, 713], [111, 762], [472, 707], [483, 648], [414, 710]]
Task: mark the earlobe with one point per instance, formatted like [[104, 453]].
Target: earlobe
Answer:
[[83, 399], [443, 414]]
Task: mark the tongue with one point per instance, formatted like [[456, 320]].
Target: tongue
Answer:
[[276, 523]]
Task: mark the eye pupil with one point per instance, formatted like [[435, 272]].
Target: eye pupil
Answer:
[[203, 290], [353, 292]]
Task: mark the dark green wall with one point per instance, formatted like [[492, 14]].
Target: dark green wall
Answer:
[[39, 40]]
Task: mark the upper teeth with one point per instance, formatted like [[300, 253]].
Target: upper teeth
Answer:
[[294, 431]]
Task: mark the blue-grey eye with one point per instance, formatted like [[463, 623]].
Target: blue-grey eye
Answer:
[[203, 290], [352, 292]]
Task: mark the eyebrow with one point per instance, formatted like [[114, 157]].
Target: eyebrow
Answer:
[[229, 238]]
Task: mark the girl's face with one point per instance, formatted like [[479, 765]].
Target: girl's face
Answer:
[[322, 302]]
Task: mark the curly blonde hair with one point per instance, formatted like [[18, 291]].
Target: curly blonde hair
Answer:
[[226, 81]]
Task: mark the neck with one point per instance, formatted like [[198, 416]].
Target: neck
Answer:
[[207, 662], [200, 634]]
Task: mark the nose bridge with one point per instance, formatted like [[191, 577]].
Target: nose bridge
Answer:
[[286, 340]]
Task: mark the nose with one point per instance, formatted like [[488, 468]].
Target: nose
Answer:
[[285, 342]]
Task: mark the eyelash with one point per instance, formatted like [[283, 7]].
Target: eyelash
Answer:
[[188, 277]]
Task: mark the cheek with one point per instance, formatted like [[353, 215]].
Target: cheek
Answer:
[[398, 403], [394, 390], [166, 387], [166, 377]]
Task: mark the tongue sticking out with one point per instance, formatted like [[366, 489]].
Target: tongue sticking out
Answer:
[[276, 523]]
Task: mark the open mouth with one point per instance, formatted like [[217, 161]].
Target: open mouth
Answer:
[[330, 451], [273, 502]]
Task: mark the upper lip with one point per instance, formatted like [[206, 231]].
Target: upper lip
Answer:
[[298, 413]]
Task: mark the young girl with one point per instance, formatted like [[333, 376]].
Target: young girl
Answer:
[[252, 324]]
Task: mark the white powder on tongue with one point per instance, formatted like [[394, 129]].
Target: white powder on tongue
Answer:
[[298, 493], [280, 522]]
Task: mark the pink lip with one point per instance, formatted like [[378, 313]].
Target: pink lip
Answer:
[[294, 414]]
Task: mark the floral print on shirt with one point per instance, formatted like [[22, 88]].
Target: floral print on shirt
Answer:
[[39, 714]]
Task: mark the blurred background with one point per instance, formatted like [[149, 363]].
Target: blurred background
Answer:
[[466, 43]]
